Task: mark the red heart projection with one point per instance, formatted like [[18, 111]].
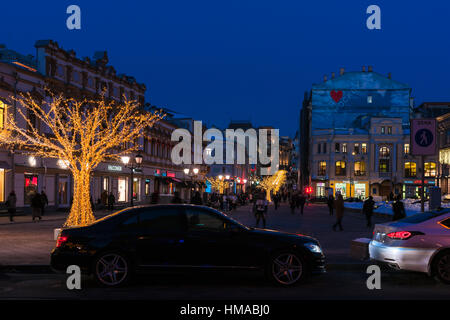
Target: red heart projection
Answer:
[[336, 95]]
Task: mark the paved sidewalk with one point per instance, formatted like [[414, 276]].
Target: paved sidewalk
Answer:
[[28, 243]]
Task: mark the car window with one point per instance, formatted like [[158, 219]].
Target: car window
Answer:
[[131, 222], [199, 220], [161, 219]]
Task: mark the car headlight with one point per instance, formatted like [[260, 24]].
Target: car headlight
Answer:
[[313, 247]]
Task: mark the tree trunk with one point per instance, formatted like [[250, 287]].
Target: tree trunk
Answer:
[[81, 213]]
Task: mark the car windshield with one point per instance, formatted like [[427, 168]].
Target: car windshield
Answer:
[[422, 217]]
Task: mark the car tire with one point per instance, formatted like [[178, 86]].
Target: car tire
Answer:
[[112, 269], [441, 267], [286, 268]]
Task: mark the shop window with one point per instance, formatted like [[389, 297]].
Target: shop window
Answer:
[[410, 169], [340, 168], [322, 168], [430, 169], [31, 187], [122, 189]]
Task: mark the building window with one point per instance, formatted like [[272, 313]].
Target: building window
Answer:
[[318, 147], [406, 148], [383, 130], [344, 148], [430, 169], [2, 115], [2, 185], [356, 148], [369, 99], [389, 130], [324, 147], [447, 136], [360, 168], [364, 148], [384, 152], [337, 147], [340, 168], [384, 165], [322, 168], [410, 169]]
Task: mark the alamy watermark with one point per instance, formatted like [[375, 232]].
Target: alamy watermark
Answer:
[[238, 147]]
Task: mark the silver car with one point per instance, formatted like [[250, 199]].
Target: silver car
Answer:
[[417, 243]]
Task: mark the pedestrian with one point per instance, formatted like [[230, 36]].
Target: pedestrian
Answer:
[[260, 209], [36, 206], [292, 204], [368, 210], [197, 199], [276, 200], [330, 203], [398, 208], [44, 202], [339, 206], [111, 201], [11, 205], [176, 198], [301, 201]]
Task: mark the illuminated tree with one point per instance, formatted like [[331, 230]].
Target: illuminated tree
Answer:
[[217, 184], [81, 133], [272, 184]]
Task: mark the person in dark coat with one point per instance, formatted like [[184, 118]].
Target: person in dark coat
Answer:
[[197, 199], [398, 208], [44, 201], [330, 204], [176, 198], [292, 204], [301, 202], [276, 200], [11, 205], [111, 200], [36, 206], [339, 206], [260, 210], [368, 210]]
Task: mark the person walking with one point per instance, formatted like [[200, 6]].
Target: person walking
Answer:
[[301, 201], [44, 202], [111, 200], [398, 208], [276, 200], [292, 204], [330, 204], [11, 205], [368, 210], [36, 206], [260, 209], [339, 206]]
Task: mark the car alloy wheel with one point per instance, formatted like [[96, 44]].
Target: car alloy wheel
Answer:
[[112, 269], [443, 267], [287, 268]]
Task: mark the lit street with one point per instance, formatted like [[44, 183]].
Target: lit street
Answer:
[[345, 279]]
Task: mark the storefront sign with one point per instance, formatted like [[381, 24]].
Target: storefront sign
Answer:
[[114, 168]]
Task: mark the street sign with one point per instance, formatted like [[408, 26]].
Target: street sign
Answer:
[[423, 137]]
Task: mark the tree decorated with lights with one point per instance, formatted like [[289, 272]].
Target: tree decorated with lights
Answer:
[[272, 184], [81, 134], [218, 184]]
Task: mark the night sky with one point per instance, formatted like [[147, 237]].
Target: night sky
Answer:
[[245, 60]]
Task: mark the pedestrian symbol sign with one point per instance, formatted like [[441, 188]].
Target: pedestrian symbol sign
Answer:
[[423, 137]]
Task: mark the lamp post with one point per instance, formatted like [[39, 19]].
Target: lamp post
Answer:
[[138, 161], [192, 175]]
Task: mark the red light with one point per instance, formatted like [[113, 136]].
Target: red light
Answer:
[[402, 235], [61, 240]]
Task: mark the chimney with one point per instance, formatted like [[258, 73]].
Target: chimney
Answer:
[[325, 78], [389, 76], [369, 68], [364, 69], [341, 71], [332, 75]]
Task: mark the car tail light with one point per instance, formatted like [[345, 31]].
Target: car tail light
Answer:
[[61, 240], [402, 235]]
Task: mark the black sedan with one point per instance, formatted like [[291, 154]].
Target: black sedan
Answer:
[[183, 237]]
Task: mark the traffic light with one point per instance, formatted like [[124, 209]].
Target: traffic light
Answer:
[[308, 190]]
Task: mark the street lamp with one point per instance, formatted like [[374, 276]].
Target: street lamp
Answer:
[[126, 161]]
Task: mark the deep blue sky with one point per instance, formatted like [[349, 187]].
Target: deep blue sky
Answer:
[[237, 59]]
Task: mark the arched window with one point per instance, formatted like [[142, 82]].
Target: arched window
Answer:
[[410, 169], [384, 152], [430, 169], [340, 168], [360, 168]]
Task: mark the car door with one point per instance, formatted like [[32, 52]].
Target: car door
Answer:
[[213, 241], [160, 240]]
